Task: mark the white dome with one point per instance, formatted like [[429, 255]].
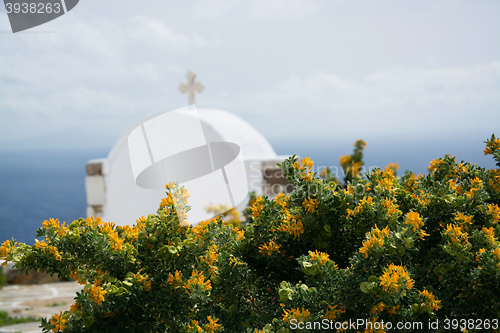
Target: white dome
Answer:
[[125, 201]]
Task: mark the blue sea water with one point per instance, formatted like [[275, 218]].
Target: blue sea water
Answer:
[[36, 186]]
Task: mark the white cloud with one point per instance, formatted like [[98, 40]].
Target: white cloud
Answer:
[[155, 31], [262, 9], [434, 99], [396, 88], [451, 86]]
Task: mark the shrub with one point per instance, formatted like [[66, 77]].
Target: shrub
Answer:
[[378, 249]]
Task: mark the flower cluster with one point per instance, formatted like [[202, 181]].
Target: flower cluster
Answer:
[[320, 257], [196, 281], [211, 327], [299, 315], [351, 164], [394, 278], [59, 322], [269, 248], [428, 301], [375, 239]]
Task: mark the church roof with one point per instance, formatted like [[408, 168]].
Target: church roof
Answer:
[[219, 126], [125, 201]]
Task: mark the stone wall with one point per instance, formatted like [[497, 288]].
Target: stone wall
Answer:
[[14, 276], [95, 186]]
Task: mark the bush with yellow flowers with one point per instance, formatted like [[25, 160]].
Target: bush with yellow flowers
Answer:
[[365, 256]]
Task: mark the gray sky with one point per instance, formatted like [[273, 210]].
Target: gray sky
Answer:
[[296, 70]]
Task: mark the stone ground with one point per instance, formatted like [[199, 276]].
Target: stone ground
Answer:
[[37, 300]]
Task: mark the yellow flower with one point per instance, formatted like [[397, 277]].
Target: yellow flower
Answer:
[[75, 307], [452, 184], [413, 219], [116, 242], [281, 200], [93, 222], [429, 300], [59, 322], [297, 166], [368, 201], [496, 252], [455, 233], [51, 223], [292, 224], [306, 162], [139, 277], [240, 234], [481, 251], [321, 257], [306, 176], [107, 228], [257, 207], [147, 285], [489, 233], [394, 277], [212, 255], [360, 143], [310, 205], [296, 314], [355, 168], [128, 232], [475, 184], [54, 252], [491, 146], [5, 249], [212, 325], [494, 211], [268, 248], [175, 280], [168, 201], [464, 220], [389, 205], [194, 327], [375, 238], [40, 245], [97, 293], [495, 182], [377, 308], [333, 313], [234, 261], [349, 190], [80, 280], [202, 228], [344, 160], [196, 279], [436, 164]]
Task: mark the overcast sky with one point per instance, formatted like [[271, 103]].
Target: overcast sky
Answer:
[[296, 70]]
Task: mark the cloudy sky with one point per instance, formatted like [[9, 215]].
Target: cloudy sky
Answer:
[[299, 71]]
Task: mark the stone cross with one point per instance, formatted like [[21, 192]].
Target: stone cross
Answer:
[[191, 87]]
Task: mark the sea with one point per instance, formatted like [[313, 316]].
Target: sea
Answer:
[[38, 185]]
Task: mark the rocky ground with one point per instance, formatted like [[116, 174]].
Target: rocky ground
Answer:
[[35, 300]]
